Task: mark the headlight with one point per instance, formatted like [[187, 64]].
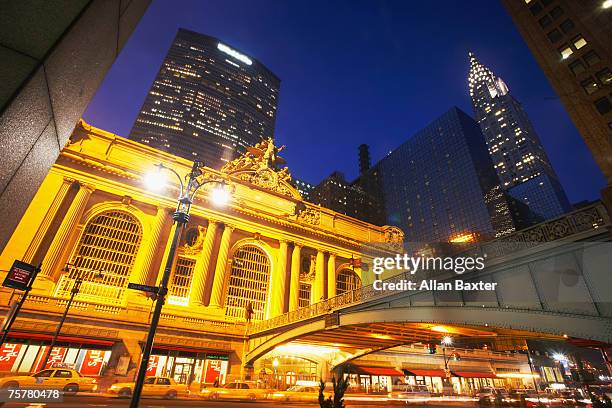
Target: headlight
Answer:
[[114, 387]]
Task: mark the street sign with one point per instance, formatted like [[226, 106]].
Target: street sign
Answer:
[[144, 288], [19, 276]]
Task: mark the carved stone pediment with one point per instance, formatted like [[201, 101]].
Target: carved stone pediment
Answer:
[[310, 216]]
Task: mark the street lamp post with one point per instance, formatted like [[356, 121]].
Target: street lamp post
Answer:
[[73, 292], [180, 217]]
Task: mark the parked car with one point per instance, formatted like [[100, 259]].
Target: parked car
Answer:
[[298, 393], [407, 391], [164, 387], [235, 390], [65, 379]]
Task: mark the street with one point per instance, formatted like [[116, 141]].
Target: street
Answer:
[[103, 401]]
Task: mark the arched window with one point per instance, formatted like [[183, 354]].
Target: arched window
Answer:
[[346, 281], [109, 245], [248, 282]]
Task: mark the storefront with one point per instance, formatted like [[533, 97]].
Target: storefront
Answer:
[[431, 378], [284, 371], [472, 381], [189, 366], [25, 354], [373, 379]]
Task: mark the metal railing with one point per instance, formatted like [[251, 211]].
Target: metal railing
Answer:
[[571, 224]]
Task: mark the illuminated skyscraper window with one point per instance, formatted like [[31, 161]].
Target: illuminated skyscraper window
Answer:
[[209, 101], [518, 156]]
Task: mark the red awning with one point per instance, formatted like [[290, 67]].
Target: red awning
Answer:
[[65, 339], [426, 373], [474, 374], [379, 371]]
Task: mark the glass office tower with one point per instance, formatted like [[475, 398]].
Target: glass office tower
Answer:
[[208, 102], [441, 184]]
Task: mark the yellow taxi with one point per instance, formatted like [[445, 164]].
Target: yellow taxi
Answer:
[[65, 379], [164, 387], [298, 393], [235, 390]]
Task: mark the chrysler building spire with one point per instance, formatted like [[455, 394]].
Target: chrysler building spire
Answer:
[[518, 156]]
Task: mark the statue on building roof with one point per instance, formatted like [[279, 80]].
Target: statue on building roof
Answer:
[[261, 165]]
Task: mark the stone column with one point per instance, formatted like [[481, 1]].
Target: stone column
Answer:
[[294, 282], [148, 249], [278, 281], [57, 251], [200, 273], [316, 293], [331, 276], [43, 228], [216, 297]]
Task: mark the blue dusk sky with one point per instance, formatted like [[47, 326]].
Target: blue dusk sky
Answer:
[[355, 72]]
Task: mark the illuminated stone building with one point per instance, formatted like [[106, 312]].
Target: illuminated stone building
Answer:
[[208, 102], [518, 156], [93, 219]]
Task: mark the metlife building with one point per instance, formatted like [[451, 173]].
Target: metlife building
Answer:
[[208, 102]]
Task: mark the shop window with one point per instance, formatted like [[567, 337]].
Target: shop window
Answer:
[[604, 76], [554, 36], [347, 281], [589, 85], [104, 258], [603, 105], [567, 26], [180, 283], [591, 58], [248, 282], [577, 67]]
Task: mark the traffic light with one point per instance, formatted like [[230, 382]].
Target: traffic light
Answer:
[[431, 348]]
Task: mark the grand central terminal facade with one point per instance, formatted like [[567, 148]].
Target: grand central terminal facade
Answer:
[[267, 250]]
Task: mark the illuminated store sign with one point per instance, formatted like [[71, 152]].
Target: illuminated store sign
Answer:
[[234, 53]]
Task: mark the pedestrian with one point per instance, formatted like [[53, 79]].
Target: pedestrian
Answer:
[[248, 311]]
